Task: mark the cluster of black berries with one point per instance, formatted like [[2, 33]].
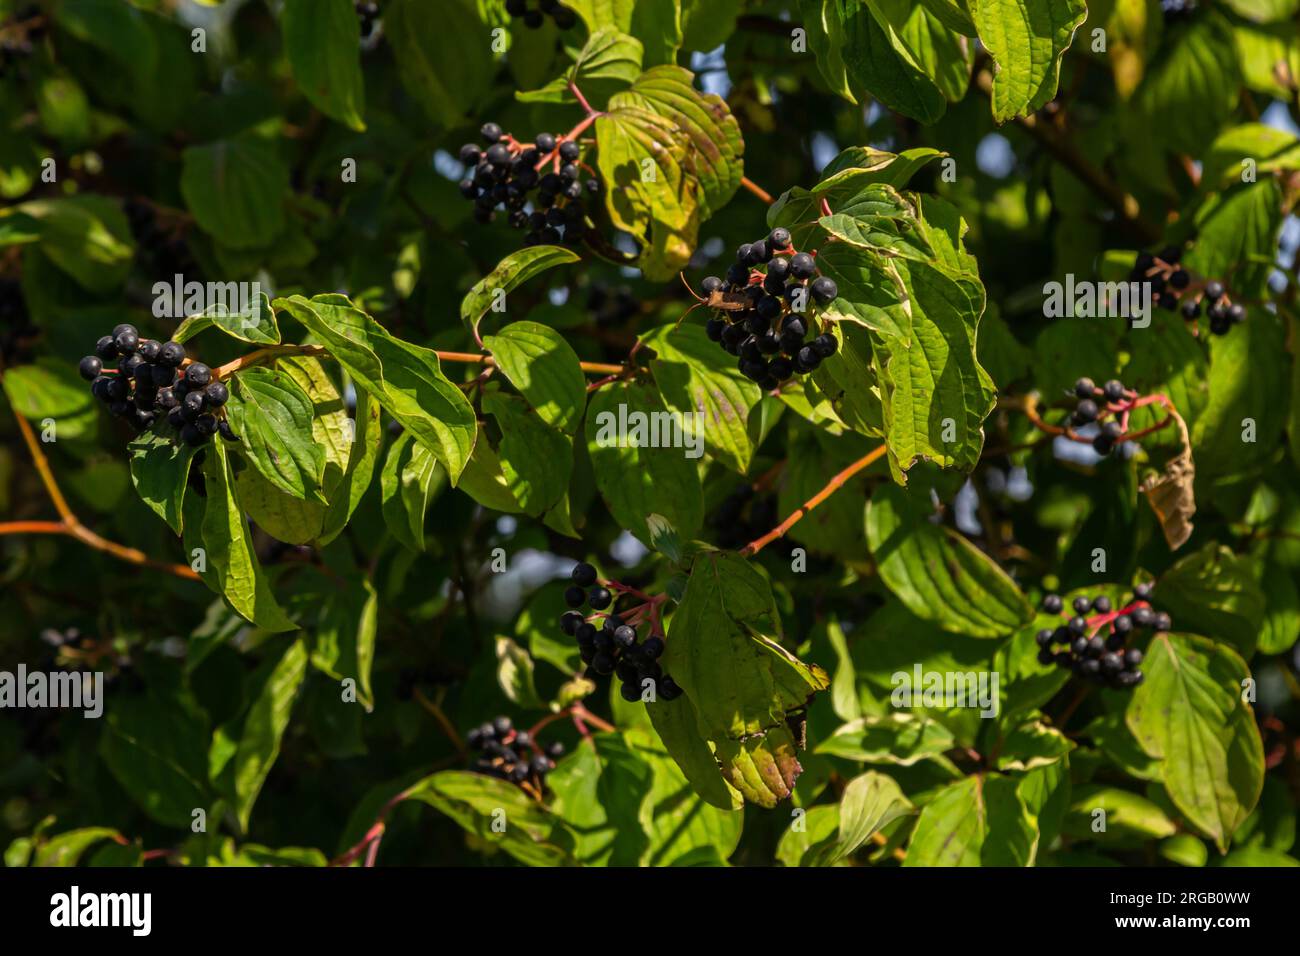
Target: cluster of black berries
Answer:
[[1172, 288], [368, 14], [611, 306], [17, 332], [149, 381], [163, 250], [764, 317], [1089, 410], [564, 17], [507, 171], [1105, 660], [503, 753], [1222, 312], [613, 648], [18, 36]]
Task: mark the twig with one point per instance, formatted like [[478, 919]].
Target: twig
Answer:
[[758, 544], [71, 525], [757, 190], [447, 726]]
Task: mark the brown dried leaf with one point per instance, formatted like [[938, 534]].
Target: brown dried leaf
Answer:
[[1169, 492]]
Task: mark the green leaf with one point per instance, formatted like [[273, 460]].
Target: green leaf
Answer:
[[743, 685], [499, 814], [346, 612], [48, 388], [1237, 234], [869, 802], [1027, 39], [608, 62], [273, 418], [233, 570], [511, 272], [157, 751], [1196, 77], [254, 324], [160, 470], [1033, 745], [409, 482], [599, 790], [235, 189], [934, 392], [322, 40], [515, 674], [443, 61], [1218, 444], [67, 848], [636, 475], [349, 447], [979, 821], [677, 724], [714, 166], [1272, 149], [536, 460], [693, 378], [1214, 593], [543, 366], [876, 59], [1127, 816], [406, 379], [670, 157], [85, 236], [939, 575], [896, 738], [1190, 714], [259, 745]]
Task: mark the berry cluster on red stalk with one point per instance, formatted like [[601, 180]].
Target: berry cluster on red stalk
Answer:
[[1105, 659], [613, 648], [508, 172], [504, 751], [765, 312], [1172, 287], [1110, 407]]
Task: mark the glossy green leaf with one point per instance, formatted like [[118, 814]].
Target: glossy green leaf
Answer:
[[498, 813], [267, 719], [490, 293], [406, 379], [256, 323], [1189, 713], [696, 379], [897, 738], [235, 188], [273, 418], [232, 567], [543, 366], [322, 41], [640, 460], [160, 470], [938, 574], [1027, 39], [410, 480]]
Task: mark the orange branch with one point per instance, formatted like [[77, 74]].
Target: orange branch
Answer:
[[757, 190], [758, 544], [71, 525]]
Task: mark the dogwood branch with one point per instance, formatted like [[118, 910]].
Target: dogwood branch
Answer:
[[758, 544], [71, 525]]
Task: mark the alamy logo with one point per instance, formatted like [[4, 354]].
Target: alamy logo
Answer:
[[946, 689], [178, 299], [74, 908], [1098, 300], [70, 690], [651, 430]]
